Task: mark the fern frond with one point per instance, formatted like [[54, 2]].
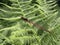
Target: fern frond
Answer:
[[16, 30]]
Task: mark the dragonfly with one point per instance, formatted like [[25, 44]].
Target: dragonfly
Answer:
[[34, 24]]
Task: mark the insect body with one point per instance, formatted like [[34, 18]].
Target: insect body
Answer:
[[34, 24]]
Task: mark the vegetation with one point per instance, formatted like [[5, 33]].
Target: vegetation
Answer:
[[29, 22]]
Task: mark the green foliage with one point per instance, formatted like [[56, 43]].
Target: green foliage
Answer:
[[15, 31]]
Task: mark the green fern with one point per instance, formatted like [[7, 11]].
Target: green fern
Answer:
[[16, 31]]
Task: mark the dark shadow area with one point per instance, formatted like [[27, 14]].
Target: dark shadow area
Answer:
[[34, 2], [58, 2], [40, 32], [58, 8], [30, 32], [8, 2]]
